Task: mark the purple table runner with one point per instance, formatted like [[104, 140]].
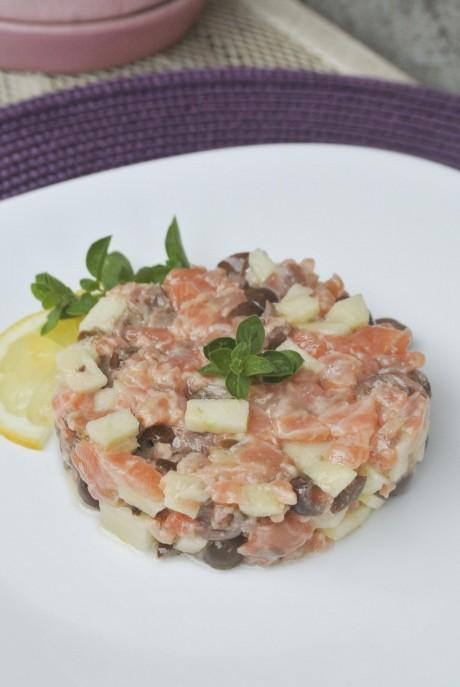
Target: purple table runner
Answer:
[[120, 122]]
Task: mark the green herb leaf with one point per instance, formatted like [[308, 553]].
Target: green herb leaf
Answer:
[[151, 275], [210, 369], [50, 291], [238, 358], [53, 318], [237, 385], [89, 284], [220, 342], [96, 256], [221, 359], [251, 332], [174, 248], [82, 305], [257, 365], [116, 270], [284, 366]]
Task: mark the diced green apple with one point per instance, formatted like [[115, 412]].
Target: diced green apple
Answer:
[[132, 529], [298, 306], [114, 430], [374, 480], [219, 416], [351, 521], [78, 370], [183, 493], [260, 267], [372, 501], [145, 503], [329, 519], [104, 315], [350, 311], [258, 501], [310, 363], [404, 449], [330, 477], [304, 455], [191, 545], [327, 328]]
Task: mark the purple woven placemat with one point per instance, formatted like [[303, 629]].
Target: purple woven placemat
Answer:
[[84, 130]]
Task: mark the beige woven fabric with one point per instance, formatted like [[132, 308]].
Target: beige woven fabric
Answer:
[[259, 33]]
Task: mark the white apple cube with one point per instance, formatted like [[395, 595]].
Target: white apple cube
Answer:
[[404, 449], [260, 268], [191, 544], [298, 306], [330, 477], [310, 363], [146, 504], [78, 371], [183, 493], [327, 328], [258, 501], [219, 416], [374, 480], [351, 311], [105, 314], [132, 529], [305, 455], [351, 521], [105, 400], [117, 429], [329, 519], [372, 501]]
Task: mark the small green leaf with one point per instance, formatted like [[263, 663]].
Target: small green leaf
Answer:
[[251, 332], [210, 369], [221, 359], [53, 318], [220, 342], [257, 365], [96, 256], [151, 275], [237, 385], [282, 366], [81, 305], [238, 358], [50, 291], [116, 270], [295, 359], [89, 284], [174, 248]]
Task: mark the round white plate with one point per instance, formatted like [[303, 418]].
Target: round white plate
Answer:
[[381, 608]]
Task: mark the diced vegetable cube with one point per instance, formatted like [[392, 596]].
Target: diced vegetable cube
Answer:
[[132, 529], [258, 500], [113, 430], [183, 493], [310, 363], [327, 328], [350, 311], [190, 545], [145, 503], [78, 370], [104, 315], [330, 477], [351, 521], [260, 268], [298, 306], [304, 455], [219, 416]]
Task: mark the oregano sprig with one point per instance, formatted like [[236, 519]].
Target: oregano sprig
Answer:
[[106, 270], [240, 360]]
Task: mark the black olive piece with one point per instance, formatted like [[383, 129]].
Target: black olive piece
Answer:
[[276, 337], [206, 512], [245, 309], [402, 485], [165, 465], [421, 378], [223, 555], [236, 263], [390, 322], [349, 494], [85, 495], [166, 551], [158, 433], [256, 300], [371, 319], [311, 500], [135, 510]]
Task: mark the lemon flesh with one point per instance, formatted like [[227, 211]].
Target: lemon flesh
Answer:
[[27, 378]]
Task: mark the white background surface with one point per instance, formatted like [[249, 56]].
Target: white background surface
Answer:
[[381, 608]]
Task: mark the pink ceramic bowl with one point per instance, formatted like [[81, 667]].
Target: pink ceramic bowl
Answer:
[[85, 35]]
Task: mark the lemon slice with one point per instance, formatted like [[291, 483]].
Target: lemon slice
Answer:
[[27, 377]]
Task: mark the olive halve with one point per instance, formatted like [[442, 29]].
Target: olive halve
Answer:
[[402, 485], [245, 309], [311, 500], [256, 300], [157, 433], [390, 322], [166, 551], [223, 555], [276, 337], [236, 263], [421, 378], [85, 496], [349, 494]]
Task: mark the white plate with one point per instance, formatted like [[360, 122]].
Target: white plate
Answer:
[[381, 608]]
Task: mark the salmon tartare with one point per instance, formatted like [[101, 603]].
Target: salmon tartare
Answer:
[[190, 439]]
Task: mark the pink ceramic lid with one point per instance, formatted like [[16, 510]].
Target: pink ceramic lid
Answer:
[[50, 11], [72, 47]]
